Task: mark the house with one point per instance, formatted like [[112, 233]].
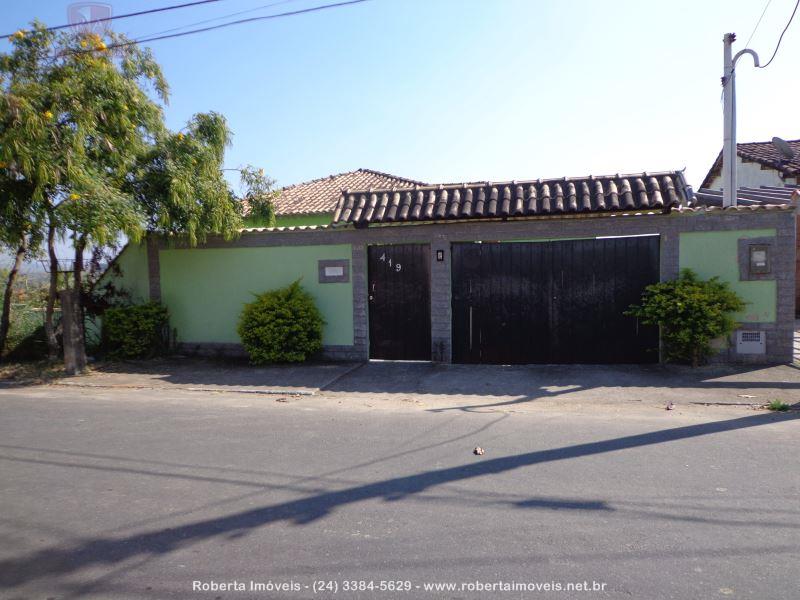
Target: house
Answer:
[[758, 164], [766, 175], [534, 271], [313, 202]]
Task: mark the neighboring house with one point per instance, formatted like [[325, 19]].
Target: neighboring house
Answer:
[[758, 164], [537, 271], [765, 177], [313, 202]]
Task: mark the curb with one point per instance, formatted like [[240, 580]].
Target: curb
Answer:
[[267, 392]]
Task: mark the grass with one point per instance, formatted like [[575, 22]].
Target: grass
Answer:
[[778, 405]]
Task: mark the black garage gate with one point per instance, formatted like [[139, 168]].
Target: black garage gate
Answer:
[[552, 302]]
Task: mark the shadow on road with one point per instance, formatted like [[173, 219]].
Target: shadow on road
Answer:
[[113, 550]]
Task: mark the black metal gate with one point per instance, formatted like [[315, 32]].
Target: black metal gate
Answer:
[[400, 302], [553, 302]]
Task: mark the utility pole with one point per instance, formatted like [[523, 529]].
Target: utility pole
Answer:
[[729, 117]]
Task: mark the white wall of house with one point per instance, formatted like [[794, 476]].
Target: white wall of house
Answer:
[[750, 174]]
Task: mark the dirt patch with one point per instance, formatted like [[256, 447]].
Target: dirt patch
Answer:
[[31, 373]]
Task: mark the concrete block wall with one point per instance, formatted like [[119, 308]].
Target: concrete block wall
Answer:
[[441, 307], [360, 348], [440, 236]]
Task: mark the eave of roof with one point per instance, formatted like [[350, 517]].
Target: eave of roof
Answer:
[[740, 208], [687, 211]]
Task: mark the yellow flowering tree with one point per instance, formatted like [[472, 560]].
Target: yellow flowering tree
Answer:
[[63, 132], [82, 137]]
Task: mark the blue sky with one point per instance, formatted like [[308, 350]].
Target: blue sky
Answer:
[[445, 90]]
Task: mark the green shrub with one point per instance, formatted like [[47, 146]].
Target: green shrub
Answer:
[[26, 340], [281, 325], [691, 313], [778, 405], [136, 331], [33, 346]]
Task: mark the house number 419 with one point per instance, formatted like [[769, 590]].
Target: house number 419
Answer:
[[397, 267]]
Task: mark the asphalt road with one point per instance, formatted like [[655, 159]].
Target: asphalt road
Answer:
[[140, 494]]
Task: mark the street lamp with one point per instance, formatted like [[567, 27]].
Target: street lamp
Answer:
[[729, 116]]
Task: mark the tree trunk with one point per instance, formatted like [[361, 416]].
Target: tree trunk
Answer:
[[49, 329], [5, 319], [77, 274]]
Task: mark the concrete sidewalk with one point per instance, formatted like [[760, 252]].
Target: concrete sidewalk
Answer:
[[496, 387], [194, 374], [464, 387]]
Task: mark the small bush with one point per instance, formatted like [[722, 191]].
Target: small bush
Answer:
[[136, 331], [691, 313], [778, 405], [281, 325], [31, 347]]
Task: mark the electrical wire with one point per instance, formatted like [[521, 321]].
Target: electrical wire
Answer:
[[236, 14], [780, 39], [125, 16], [213, 27], [763, 12]]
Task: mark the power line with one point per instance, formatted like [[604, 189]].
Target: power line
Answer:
[[249, 20], [763, 12], [780, 39], [220, 26], [134, 14], [236, 14]]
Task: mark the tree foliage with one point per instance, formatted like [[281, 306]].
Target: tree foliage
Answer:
[[74, 117], [179, 182], [259, 195], [85, 153], [691, 313]]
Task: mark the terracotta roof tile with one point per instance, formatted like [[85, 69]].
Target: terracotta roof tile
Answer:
[[320, 195], [640, 191]]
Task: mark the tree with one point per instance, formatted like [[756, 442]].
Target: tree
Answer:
[[178, 181], [82, 125], [259, 196], [75, 116], [18, 234]]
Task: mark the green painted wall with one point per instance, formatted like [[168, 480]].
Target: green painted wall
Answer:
[[133, 277], [205, 289], [711, 253], [294, 220]]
